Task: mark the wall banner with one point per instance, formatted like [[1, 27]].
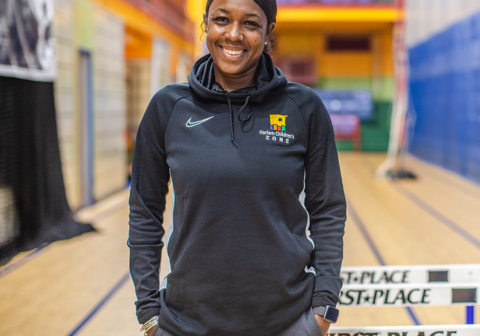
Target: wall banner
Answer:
[[27, 48]]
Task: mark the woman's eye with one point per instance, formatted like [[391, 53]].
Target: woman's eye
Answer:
[[251, 23], [221, 19]]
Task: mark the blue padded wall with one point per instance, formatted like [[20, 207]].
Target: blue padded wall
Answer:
[[445, 96]]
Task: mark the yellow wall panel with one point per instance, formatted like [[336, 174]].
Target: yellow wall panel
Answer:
[[346, 64], [301, 44], [323, 14]]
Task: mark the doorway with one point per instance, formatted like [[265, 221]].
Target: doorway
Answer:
[[86, 134]]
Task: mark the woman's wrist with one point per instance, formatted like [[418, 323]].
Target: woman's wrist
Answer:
[[149, 326]]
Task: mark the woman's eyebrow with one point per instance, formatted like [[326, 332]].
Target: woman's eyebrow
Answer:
[[223, 10], [252, 14]]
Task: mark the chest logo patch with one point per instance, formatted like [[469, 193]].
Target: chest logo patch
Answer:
[[278, 130], [277, 122], [195, 123]]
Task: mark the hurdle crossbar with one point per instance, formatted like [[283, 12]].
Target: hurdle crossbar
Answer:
[[430, 294], [441, 330], [410, 274]]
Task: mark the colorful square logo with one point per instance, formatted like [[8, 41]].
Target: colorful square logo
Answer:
[[277, 122]]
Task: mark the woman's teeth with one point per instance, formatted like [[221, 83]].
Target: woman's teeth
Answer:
[[231, 52]]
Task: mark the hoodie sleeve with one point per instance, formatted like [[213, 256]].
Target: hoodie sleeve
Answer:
[[150, 177], [326, 205]]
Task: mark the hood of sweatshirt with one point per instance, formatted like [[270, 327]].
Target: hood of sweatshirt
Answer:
[[267, 77]]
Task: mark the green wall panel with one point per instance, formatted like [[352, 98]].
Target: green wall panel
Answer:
[[375, 132], [384, 89]]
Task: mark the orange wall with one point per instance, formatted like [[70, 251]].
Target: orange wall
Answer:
[[310, 43], [346, 64]]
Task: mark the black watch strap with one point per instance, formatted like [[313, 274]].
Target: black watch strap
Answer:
[[329, 313]]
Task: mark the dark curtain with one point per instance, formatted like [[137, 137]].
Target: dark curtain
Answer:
[[28, 133]]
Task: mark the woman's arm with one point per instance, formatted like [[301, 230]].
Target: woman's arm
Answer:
[[150, 176], [325, 203]]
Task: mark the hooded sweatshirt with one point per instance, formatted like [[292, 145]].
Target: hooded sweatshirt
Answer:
[[248, 254]]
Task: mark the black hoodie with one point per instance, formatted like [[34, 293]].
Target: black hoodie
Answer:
[[241, 258]]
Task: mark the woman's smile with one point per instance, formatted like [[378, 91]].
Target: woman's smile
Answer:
[[233, 53]]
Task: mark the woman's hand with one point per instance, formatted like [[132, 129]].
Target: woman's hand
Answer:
[[151, 331], [324, 325]]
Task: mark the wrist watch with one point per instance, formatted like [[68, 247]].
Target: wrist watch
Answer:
[[328, 313]]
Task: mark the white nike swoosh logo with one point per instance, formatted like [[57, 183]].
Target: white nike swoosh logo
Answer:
[[195, 123]]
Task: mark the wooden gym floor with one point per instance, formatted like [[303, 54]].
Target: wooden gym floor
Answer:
[[82, 286]]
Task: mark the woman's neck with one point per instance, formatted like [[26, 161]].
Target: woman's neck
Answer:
[[235, 82]]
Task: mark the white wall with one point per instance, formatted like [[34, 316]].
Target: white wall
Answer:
[[426, 18], [64, 93], [110, 172], [138, 92], [108, 101]]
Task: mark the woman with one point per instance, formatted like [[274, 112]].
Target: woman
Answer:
[[240, 144]]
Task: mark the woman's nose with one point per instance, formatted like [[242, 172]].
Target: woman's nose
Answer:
[[235, 32]]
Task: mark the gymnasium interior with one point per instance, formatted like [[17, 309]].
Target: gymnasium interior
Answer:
[[399, 78]]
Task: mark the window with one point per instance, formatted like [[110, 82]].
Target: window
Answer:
[[348, 43]]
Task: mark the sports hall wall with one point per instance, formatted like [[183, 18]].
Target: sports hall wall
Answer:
[[370, 69], [123, 42], [443, 40]]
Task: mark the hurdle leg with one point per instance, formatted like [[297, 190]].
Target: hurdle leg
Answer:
[[470, 315]]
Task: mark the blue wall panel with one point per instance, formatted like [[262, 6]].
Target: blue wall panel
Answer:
[[445, 96]]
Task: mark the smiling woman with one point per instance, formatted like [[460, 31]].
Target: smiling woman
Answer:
[[237, 34], [240, 144]]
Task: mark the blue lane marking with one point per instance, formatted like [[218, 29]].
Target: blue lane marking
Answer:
[[413, 316], [442, 218], [356, 218], [13, 266], [365, 234], [100, 304]]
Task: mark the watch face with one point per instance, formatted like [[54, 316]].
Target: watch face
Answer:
[[331, 314]]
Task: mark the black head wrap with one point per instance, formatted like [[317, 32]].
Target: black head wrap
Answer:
[[269, 7]]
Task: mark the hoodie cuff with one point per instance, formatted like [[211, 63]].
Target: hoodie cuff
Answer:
[[145, 315], [327, 290], [323, 299]]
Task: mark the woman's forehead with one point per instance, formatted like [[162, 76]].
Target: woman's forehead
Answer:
[[243, 7]]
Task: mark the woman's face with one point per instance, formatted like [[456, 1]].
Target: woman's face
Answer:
[[236, 34]]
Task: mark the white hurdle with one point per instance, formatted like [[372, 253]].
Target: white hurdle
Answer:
[[442, 330], [411, 286], [409, 294], [410, 274]]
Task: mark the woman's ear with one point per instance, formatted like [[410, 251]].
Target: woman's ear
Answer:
[[270, 28], [205, 22]]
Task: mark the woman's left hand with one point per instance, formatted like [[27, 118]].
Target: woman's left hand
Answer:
[[324, 325]]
